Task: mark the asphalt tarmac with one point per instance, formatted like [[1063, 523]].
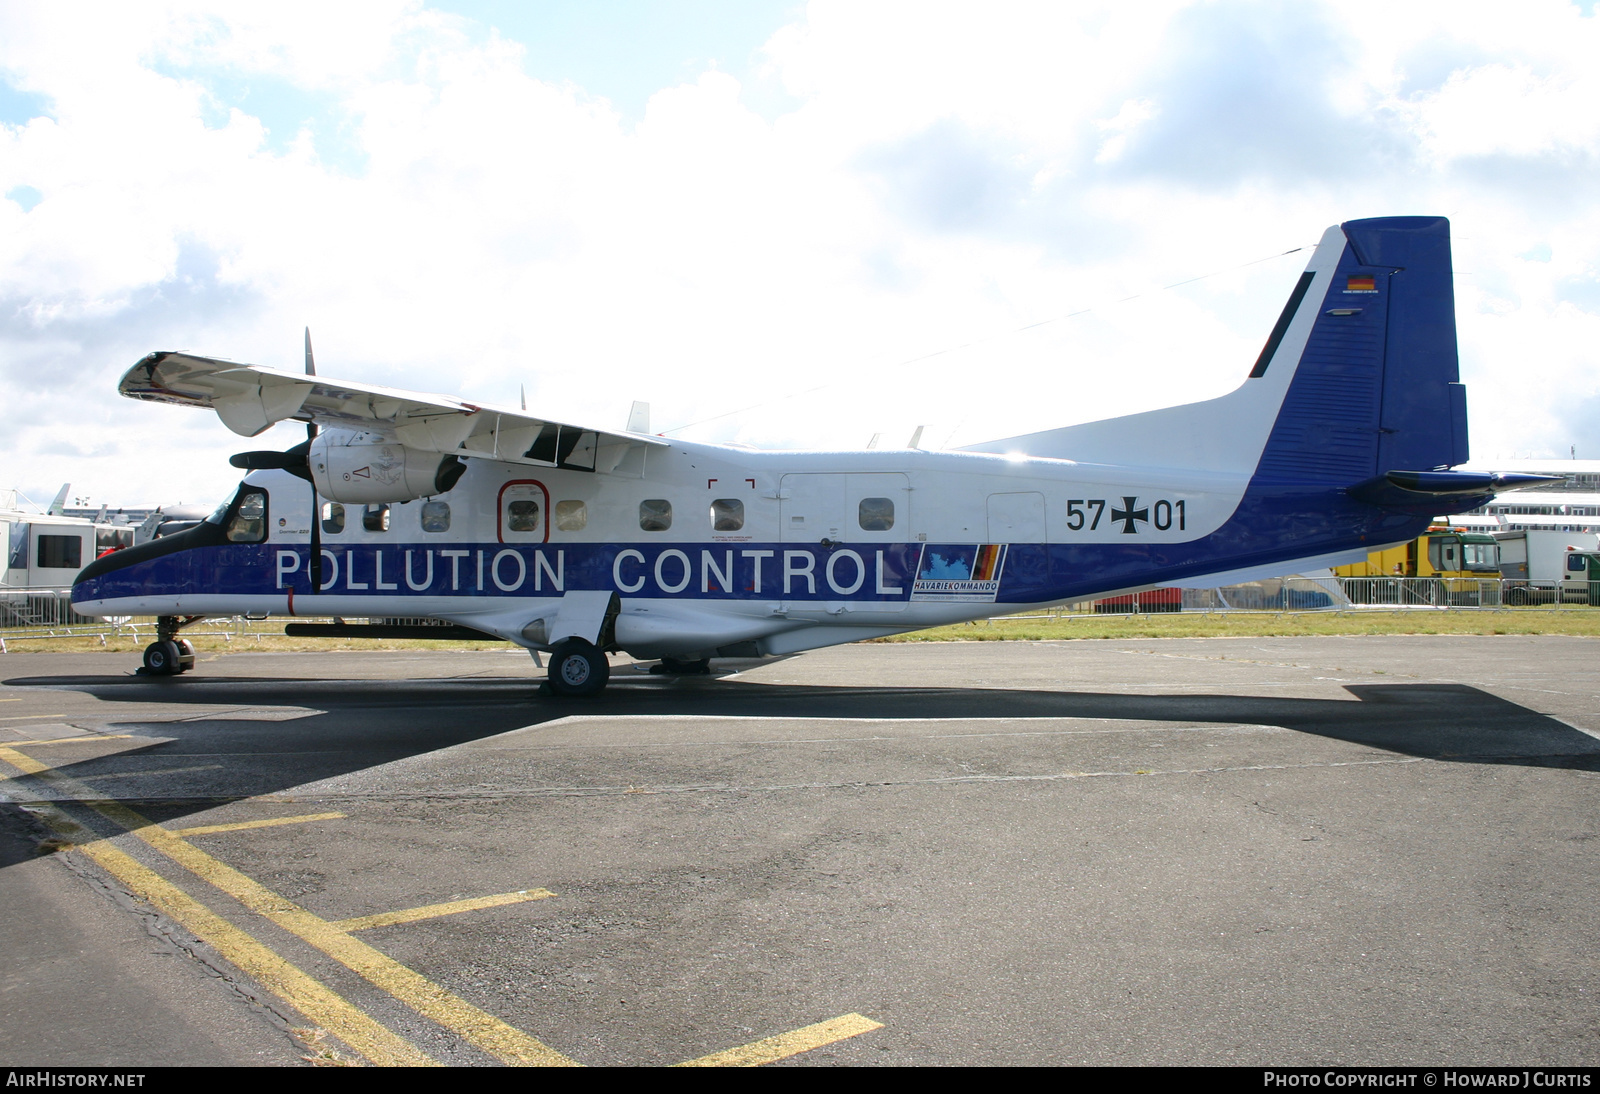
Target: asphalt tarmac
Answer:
[[1259, 851]]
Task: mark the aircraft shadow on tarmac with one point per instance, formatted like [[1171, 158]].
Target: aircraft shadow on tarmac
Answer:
[[352, 725]]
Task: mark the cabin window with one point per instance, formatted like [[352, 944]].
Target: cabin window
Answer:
[[249, 523], [727, 515], [876, 514], [332, 518], [655, 515], [60, 552], [571, 516], [436, 516], [375, 518], [1575, 562], [523, 516]]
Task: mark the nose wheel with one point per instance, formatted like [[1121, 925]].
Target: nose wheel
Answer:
[[169, 655]]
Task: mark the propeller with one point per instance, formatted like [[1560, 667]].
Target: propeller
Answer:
[[316, 501]]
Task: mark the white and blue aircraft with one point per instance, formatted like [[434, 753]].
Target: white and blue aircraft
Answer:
[[578, 541]]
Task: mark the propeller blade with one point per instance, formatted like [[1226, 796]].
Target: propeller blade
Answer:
[[311, 364], [296, 460], [263, 461]]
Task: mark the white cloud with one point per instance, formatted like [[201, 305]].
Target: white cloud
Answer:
[[949, 174]]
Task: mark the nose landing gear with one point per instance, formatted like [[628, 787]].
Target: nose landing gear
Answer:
[[169, 655]]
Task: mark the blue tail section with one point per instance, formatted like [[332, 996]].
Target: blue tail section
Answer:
[[1377, 386]]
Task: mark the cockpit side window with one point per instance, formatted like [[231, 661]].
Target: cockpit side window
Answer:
[[249, 521]]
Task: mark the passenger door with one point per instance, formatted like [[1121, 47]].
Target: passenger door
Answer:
[[855, 512]]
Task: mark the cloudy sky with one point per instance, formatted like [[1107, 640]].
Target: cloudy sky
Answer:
[[785, 224]]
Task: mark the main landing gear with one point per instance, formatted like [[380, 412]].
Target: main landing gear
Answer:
[[577, 668], [674, 666], [169, 655]]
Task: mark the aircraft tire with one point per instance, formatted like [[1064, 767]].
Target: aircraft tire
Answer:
[[161, 659], [577, 668]]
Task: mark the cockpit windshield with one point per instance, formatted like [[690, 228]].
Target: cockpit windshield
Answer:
[[221, 512]]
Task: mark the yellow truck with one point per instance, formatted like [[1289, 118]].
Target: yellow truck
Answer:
[[1459, 560]]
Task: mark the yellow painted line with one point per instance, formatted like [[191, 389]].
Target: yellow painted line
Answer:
[[318, 1003], [433, 911], [240, 826], [75, 740], [26, 764], [788, 1044], [478, 1027], [29, 717]]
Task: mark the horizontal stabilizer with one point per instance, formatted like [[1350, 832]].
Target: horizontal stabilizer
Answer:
[[1408, 489]]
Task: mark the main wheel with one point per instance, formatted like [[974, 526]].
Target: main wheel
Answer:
[[161, 658], [577, 668], [185, 654]]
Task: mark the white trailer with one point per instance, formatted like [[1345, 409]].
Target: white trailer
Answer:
[[1549, 566], [42, 554]]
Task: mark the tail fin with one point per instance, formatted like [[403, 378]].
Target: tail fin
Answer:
[[1376, 388], [1358, 377]]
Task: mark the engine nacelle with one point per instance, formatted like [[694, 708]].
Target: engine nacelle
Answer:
[[365, 472]]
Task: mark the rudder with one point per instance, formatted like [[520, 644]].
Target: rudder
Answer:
[[1377, 387]]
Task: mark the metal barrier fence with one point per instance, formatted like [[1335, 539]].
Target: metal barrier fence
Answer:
[[40, 607], [1346, 594]]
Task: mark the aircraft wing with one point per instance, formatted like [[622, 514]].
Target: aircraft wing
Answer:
[[250, 398]]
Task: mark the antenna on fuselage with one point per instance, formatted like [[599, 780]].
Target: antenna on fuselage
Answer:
[[916, 438]]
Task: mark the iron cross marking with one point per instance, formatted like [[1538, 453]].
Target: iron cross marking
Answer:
[[1128, 514]]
